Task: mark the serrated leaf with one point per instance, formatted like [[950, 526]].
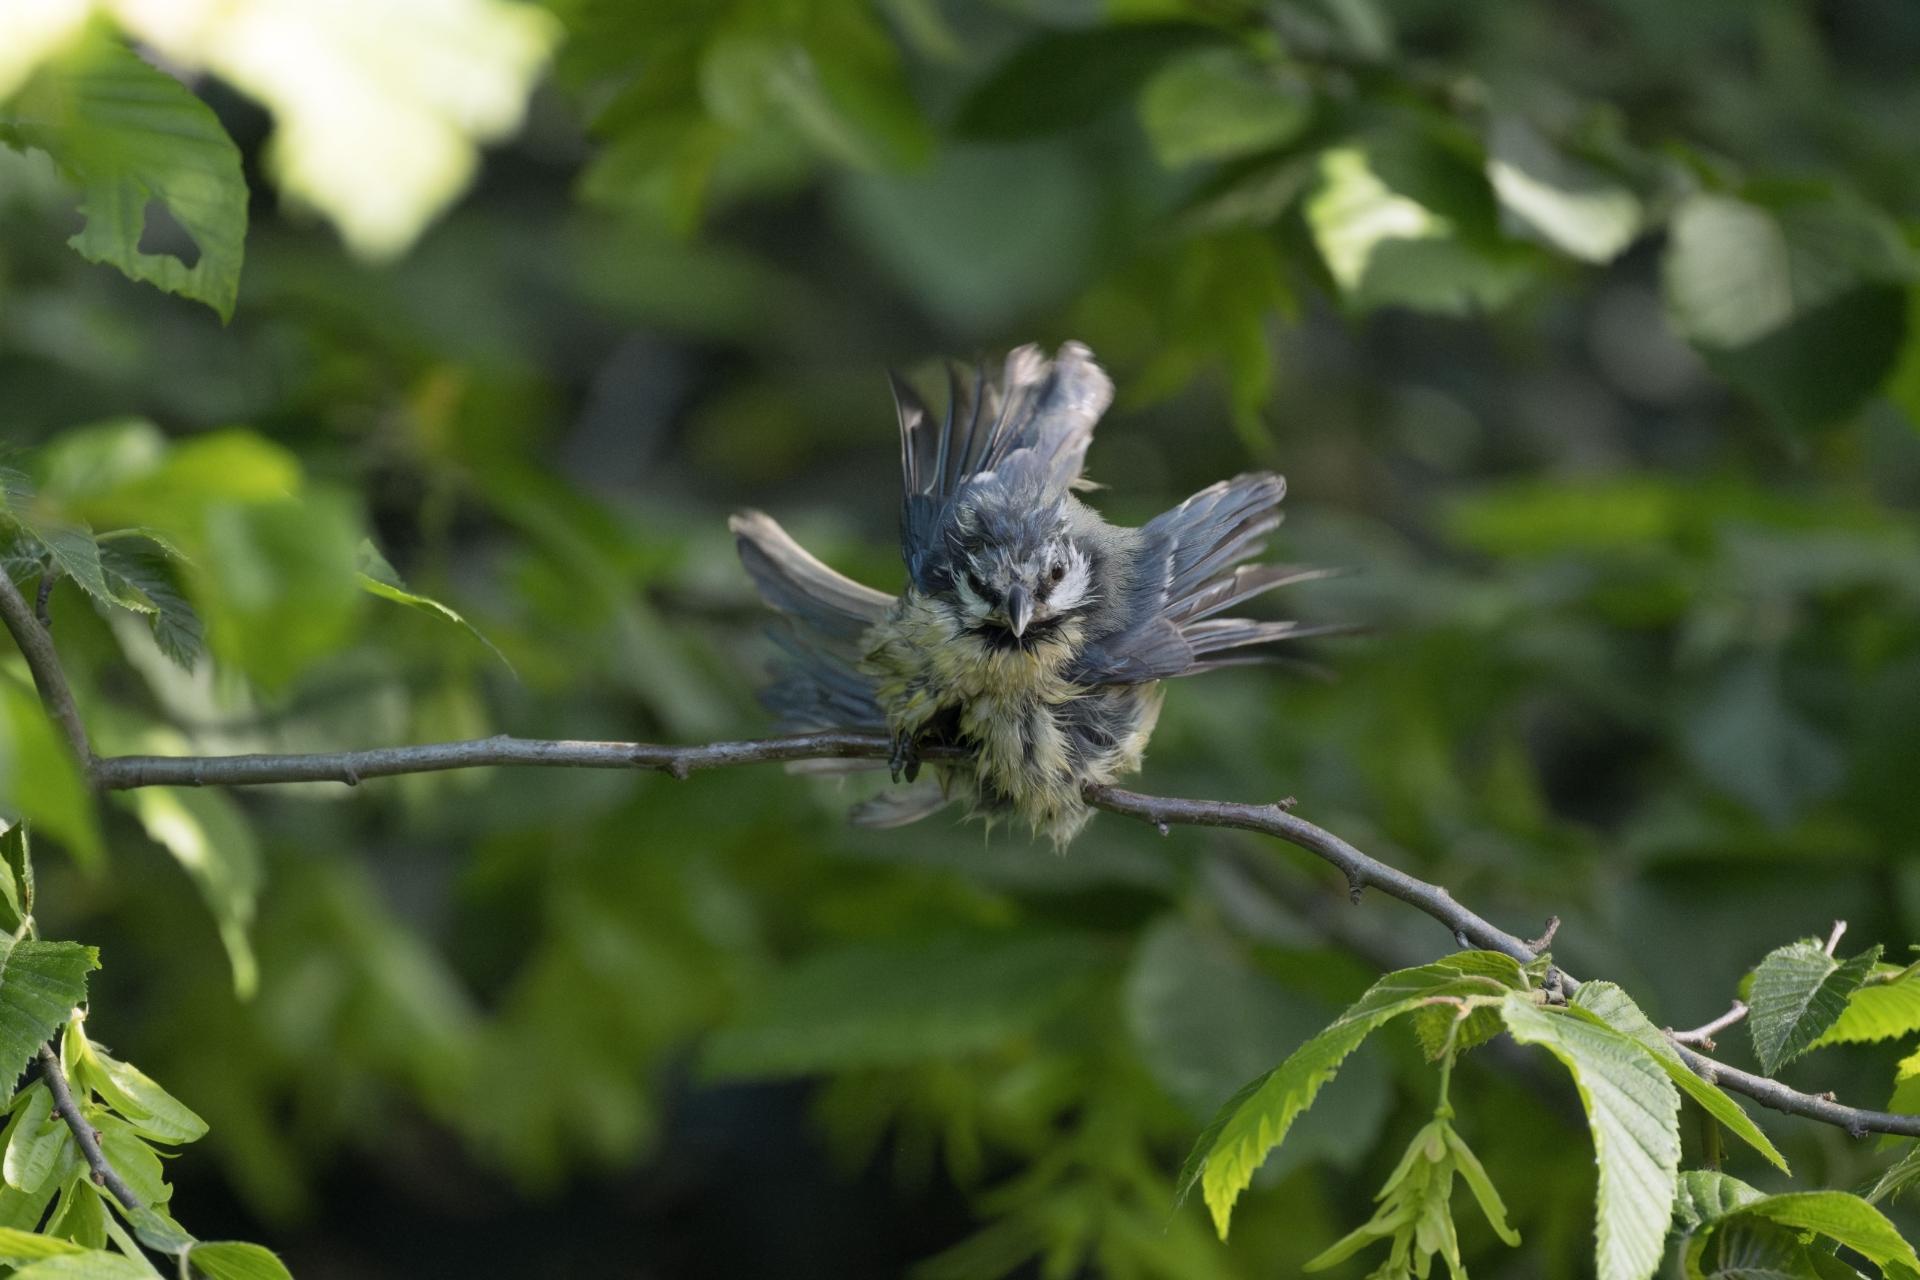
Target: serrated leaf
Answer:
[[1877, 1010], [380, 578], [1616, 1008], [126, 134], [1256, 1119], [1842, 1217], [209, 836], [35, 1139], [1901, 1176], [1798, 992], [1633, 1111], [40, 983], [882, 1004], [1706, 1195], [150, 570], [75, 553], [227, 1260]]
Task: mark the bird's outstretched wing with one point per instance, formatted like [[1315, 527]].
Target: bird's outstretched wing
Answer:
[[1184, 575], [1031, 429], [825, 613]]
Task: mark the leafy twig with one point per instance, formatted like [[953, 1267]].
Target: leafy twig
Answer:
[[1703, 1034], [85, 1136], [1162, 812]]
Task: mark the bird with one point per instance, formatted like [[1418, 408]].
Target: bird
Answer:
[[1032, 639]]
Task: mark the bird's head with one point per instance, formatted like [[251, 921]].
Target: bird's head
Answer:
[[1017, 569]]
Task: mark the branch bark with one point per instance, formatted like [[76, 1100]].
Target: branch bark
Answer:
[[85, 1136], [1163, 812], [43, 662]]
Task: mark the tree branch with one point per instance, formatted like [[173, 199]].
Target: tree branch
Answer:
[[1703, 1034], [350, 767], [36, 646], [85, 1136]]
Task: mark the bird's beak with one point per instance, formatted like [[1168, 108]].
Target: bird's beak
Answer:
[[1019, 610]]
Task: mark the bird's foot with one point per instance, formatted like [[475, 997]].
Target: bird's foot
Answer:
[[905, 760]]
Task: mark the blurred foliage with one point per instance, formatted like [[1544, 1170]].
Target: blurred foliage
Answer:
[[1582, 331]]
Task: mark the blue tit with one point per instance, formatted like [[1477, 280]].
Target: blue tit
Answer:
[[1032, 634]]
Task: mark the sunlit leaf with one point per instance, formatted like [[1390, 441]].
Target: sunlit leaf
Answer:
[[1256, 1120], [128, 134], [93, 1264], [225, 1260], [1885, 1005], [1798, 992], [1570, 205], [17, 1246], [1633, 1112], [383, 129], [40, 983], [35, 1140], [1614, 1007], [148, 1109], [1707, 1195]]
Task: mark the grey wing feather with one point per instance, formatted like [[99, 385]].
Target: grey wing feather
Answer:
[[817, 685], [1031, 428], [898, 806], [792, 581], [1184, 574]]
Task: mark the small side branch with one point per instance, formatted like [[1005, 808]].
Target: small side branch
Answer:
[[1703, 1035], [85, 1136], [36, 646], [1771, 1093]]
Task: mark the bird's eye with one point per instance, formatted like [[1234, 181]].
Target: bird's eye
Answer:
[[1057, 572]]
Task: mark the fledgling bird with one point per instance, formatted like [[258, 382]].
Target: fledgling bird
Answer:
[[1032, 634]]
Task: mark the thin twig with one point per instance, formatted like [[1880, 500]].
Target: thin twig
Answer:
[[85, 1136], [36, 646], [1833, 939], [1703, 1034]]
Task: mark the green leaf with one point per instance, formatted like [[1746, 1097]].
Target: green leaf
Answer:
[[1633, 1111], [1205, 1019], [1217, 104], [1842, 1217], [16, 878], [380, 578], [40, 983], [155, 1229], [1748, 1249], [147, 1108], [93, 1264], [17, 1247], [1064, 79], [1901, 1176], [1705, 1196], [1616, 1008], [80, 1217], [1877, 1010], [35, 1140], [133, 1159], [1257, 1119], [1569, 205], [880, 1004], [280, 587], [1801, 301], [74, 552], [128, 134], [209, 836], [39, 780], [145, 568], [1798, 992], [225, 1260], [1399, 223]]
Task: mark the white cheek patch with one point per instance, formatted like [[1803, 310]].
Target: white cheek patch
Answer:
[[1074, 589]]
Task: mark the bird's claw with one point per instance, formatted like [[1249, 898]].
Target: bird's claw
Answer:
[[905, 760]]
